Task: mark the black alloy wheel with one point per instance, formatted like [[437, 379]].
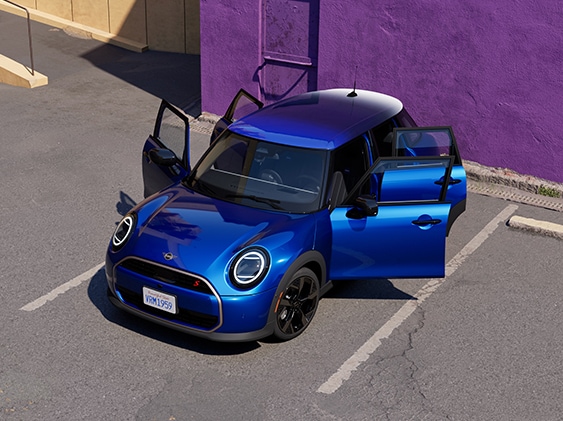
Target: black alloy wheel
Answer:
[[297, 304]]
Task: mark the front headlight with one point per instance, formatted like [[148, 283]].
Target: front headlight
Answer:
[[249, 268], [123, 231]]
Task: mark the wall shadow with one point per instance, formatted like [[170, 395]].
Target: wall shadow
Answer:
[[172, 76]]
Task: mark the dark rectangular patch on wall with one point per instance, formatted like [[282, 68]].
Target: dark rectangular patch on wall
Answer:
[[290, 47]]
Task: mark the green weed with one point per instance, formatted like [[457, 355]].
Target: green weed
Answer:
[[548, 191]]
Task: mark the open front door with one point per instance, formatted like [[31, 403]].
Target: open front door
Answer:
[[242, 104], [393, 223], [166, 154]]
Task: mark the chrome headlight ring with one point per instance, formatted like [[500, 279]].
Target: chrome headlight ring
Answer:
[[249, 267], [123, 231]]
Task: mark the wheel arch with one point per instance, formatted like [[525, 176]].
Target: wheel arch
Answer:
[[311, 259]]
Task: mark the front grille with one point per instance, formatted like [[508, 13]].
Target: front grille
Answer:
[[168, 276], [190, 317]]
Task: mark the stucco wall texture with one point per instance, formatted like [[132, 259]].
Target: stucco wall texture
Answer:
[[492, 70]]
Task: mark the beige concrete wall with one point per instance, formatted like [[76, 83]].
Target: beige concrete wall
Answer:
[[92, 13], [59, 8], [128, 19], [26, 3], [171, 25], [165, 25]]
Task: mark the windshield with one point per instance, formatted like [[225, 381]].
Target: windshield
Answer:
[[261, 174]]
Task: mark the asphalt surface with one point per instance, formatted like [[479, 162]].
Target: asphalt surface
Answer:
[[482, 343]]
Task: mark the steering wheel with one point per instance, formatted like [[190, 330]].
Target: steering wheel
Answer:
[[308, 182], [270, 175]]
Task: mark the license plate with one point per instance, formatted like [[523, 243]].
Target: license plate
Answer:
[[160, 300]]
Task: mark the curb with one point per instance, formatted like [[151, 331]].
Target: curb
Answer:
[[509, 178], [539, 227]]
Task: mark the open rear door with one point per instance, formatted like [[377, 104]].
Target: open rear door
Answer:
[[435, 141], [166, 154], [242, 104]]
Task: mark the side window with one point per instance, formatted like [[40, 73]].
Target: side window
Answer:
[[425, 141], [382, 136], [172, 130], [352, 160], [406, 179]]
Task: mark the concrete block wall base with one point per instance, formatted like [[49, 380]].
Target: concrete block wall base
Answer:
[[16, 74], [61, 23]]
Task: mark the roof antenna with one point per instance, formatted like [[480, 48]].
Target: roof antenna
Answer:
[[353, 93]]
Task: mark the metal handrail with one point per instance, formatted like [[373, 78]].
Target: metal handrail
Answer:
[[28, 34]]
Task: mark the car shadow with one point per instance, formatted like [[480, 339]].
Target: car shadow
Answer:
[[97, 294], [125, 204], [376, 289]]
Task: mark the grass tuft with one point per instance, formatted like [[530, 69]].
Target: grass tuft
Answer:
[[548, 191]]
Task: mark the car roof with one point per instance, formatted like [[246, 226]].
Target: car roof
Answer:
[[319, 120]]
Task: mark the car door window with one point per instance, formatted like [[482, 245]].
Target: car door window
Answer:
[[382, 135], [242, 104], [172, 131], [425, 141]]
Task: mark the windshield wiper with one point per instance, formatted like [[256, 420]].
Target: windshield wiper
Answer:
[[272, 202], [203, 187]]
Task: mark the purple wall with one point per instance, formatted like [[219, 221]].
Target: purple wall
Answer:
[[492, 70], [230, 51]]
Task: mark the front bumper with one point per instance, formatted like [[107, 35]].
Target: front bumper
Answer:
[[201, 311]]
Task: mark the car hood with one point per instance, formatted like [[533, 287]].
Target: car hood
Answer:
[[201, 235]]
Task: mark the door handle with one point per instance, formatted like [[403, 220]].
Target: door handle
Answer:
[[423, 222], [451, 183]]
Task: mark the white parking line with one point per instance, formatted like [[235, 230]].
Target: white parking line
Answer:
[[368, 348], [34, 305]]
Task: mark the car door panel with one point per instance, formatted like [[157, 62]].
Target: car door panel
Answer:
[[171, 132], [401, 241], [404, 234]]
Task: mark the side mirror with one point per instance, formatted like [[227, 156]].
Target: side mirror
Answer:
[[164, 157], [364, 205], [368, 204]]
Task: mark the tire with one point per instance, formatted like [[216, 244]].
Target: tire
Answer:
[[296, 305]]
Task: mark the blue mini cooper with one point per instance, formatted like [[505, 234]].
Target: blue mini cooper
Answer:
[[325, 186]]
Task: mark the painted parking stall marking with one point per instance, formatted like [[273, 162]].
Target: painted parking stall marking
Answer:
[[34, 305], [368, 348]]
